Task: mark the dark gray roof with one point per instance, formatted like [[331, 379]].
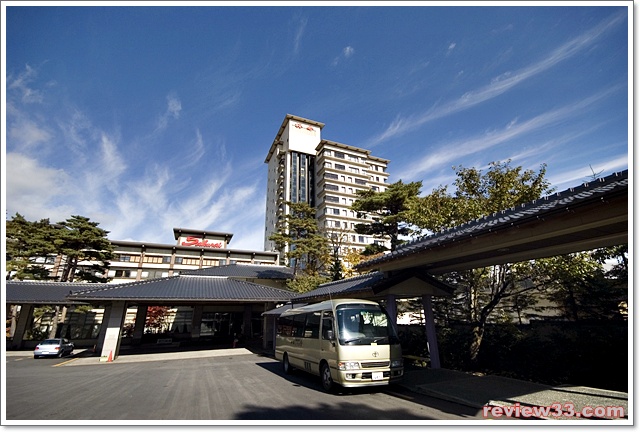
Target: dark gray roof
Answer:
[[537, 209], [31, 292], [248, 271], [187, 289], [344, 287]]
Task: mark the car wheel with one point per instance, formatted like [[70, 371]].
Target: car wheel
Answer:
[[325, 375], [286, 366], [60, 354]]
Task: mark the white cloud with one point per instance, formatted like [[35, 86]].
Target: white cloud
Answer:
[[301, 24], [27, 134], [174, 106], [33, 189], [498, 85], [511, 131], [21, 84], [347, 52]]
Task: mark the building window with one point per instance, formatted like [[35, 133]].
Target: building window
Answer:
[[331, 176], [340, 167], [331, 187], [126, 273], [331, 198], [338, 155], [166, 260], [336, 211], [354, 170], [153, 259], [178, 260], [191, 261]]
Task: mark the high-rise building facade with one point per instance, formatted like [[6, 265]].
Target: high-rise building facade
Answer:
[[302, 167]]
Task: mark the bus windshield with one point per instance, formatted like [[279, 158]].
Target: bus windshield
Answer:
[[363, 324]]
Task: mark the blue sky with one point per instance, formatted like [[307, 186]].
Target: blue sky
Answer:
[[148, 118]]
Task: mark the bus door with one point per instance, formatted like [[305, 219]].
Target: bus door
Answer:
[[328, 338]]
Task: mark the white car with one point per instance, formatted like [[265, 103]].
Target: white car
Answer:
[[53, 347]]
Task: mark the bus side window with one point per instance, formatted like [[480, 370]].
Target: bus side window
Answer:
[[313, 325], [298, 325]]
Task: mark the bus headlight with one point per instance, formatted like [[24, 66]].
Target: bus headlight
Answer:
[[348, 365], [397, 363]]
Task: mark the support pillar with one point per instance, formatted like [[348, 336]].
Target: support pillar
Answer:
[[114, 329], [196, 321], [106, 312], [138, 327], [268, 327], [25, 318], [392, 308], [432, 339], [12, 313]]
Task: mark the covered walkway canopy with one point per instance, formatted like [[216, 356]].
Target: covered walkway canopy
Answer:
[[589, 216], [197, 289]]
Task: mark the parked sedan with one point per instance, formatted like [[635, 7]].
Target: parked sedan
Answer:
[[53, 347]]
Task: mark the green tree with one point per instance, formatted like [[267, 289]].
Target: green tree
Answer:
[[81, 240], [306, 247], [73, 241], [27, 241], [481, 291], [582, 288], [387, 210]]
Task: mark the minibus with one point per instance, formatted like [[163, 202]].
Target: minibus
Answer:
[[349, 342]]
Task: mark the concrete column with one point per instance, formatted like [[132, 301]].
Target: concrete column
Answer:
[[12, 312], [268, 327], [114, 328], [138, 328], [24, 324], [392, 308], [196, 321], [432, 340], [106, 312]]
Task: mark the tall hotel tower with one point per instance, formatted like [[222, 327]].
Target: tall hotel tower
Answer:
[[325, 174]]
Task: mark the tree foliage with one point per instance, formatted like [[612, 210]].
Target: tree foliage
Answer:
[[388, 211], [308, 248], [478, 194], [73, 241]]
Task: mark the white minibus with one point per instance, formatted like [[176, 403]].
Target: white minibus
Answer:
[[350, 342]]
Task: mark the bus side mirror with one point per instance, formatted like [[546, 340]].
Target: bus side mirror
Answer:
[[329, 335]]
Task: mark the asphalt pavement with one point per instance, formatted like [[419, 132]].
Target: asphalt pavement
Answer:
[[476, 391]]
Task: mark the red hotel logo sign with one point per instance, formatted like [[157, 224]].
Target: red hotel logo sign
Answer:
[[195, 241]]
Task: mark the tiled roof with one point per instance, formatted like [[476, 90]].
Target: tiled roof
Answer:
[[351, 286], [249, 271], [186, 288], [537, 209], [30, 292]]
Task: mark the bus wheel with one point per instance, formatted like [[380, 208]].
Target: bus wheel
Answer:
[[286, 366], [325, 374]]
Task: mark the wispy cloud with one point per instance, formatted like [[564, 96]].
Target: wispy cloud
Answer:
[[511, 131], [498, 85], [347, 53], [22, 82], [174, 106], [300, 26]]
